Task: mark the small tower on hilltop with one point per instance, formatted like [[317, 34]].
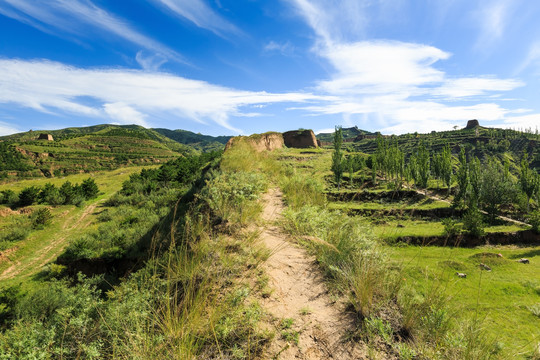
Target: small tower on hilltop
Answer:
[[471, 124], [47, 137]]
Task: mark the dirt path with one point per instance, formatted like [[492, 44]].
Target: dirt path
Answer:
[[300, 294]]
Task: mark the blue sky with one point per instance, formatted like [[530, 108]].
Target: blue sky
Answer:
[[248, 66]]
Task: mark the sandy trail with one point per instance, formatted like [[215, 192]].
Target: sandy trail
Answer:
[[299, 287]]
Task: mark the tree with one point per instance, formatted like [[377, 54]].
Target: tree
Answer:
[[495, 190], [89, 188], [446, 166], [337, 156], [475, 181], [462, 177], [423, 165], [529, 180], [28, 196]]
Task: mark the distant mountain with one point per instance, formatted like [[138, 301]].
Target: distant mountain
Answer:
[[85, 149], [348, 133], [198, 141]]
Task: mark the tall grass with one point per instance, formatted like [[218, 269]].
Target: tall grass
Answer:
[[411, 322]]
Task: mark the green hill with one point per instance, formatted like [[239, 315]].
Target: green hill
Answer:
[[198, 141], [85, 149], [348, 133]]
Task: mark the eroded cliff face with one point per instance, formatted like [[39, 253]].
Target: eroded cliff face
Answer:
[[259, 142], [300, 139]]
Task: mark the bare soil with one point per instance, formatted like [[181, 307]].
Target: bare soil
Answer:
[[323, 326]]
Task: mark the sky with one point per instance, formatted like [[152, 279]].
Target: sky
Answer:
[[230, 67]]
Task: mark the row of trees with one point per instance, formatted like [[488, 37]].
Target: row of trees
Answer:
[[488, 185], [66, 194]]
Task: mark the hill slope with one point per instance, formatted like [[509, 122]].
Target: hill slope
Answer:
[[86, 149], [198, 141]]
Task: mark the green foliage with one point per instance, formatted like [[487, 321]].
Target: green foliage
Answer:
[[229, 195], [472, 222], [41, 217], [462, 177], [28, 196], [497, 189], [451, 227], [337, 156], [89, 189], [9, 197], [11, 159], [534, 220], [529, 180]]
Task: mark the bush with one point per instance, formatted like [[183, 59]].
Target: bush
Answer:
[[89, 188], [534, 220], [9, 198], [230, 195], [451, 227], [41, 218], [29, 196], [472, 222]]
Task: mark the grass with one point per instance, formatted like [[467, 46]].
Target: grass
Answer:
[[393, 229], [424, 204], [502, 298], [68, 222]]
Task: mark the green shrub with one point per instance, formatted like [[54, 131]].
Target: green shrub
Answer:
[[534, 220], [28, 196], [40, 218], [473, 223], [89, 188], [231, 195], [451, 227], [9, 197]]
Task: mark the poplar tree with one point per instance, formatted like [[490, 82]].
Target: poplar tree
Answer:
[[462, 177], [337, 156], [529, 180], [423, 165]]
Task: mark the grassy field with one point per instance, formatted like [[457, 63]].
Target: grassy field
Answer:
[[504, 299], [42, 246]]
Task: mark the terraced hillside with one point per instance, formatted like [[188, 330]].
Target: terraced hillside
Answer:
[[75, 150]]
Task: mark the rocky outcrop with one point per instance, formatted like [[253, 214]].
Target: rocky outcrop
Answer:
[[260, 142], [471, 124], [300, 139]]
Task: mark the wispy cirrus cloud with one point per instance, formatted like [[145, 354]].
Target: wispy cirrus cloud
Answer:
[[128, 96], [492, 19], [76, 17], [395, 84], [199, 13]]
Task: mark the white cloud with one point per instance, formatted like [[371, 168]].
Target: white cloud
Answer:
[[396, 85], [380, 66], [7, 129], [125, 114], [530, 121], [199, 13], [127, 96], [75, 17], [492, 18], [474, 86], [150, 62], [285, 48]]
